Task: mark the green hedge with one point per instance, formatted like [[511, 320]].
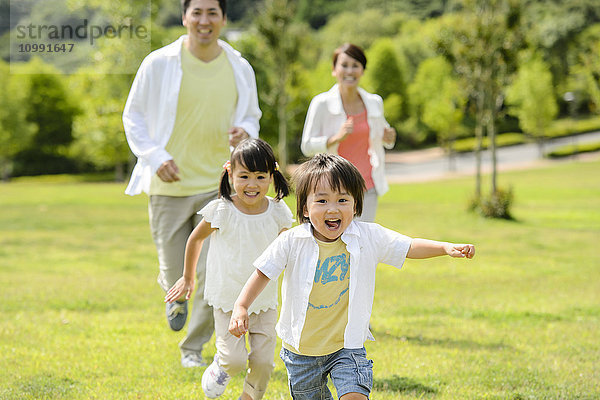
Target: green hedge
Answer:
[[560, 128], [504, 139], [569, 126], [573, 149]]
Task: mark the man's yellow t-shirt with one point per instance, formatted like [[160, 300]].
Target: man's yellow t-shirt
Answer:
[[199, 143], [327, 313]]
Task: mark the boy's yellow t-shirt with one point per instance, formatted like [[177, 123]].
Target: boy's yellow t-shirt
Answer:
[[199, 143], [327, 313]]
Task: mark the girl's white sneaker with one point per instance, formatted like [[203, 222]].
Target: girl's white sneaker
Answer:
[[214, 380]]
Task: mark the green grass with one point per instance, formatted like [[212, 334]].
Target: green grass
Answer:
[[82, 315]]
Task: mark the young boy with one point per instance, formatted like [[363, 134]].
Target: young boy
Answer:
[[329, 280]]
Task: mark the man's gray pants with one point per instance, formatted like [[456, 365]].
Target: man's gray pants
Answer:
[[172, 219]]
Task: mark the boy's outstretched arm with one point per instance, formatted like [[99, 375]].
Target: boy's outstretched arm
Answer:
[[238, 324], [424, 248]]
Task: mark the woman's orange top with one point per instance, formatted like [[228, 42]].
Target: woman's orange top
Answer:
[[355, 148]]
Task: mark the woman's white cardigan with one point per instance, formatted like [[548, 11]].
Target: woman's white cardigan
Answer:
[[325, 117]]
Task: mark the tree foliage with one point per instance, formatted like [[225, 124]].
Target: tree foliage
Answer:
[[15, 131], [584, 77], [482, 43], [282, 39], [49, 112], [531, 97], [438, 99], [359, 28], [479, 39]]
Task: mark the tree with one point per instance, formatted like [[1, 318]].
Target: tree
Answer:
[[438, 100], [15, 131], [98, 130], [50, 111], [481, 44], [282, 40], [385, 77], [359, 28], [584, 73], [551, 27], [383, 71], [531, 97]]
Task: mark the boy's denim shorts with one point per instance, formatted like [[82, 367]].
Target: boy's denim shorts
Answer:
[[350, 371]]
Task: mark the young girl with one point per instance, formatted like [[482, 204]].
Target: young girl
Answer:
[[329, 280], [242, 226]]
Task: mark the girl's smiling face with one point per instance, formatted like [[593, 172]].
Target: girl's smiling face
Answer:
[[250, 187], [330, 211]]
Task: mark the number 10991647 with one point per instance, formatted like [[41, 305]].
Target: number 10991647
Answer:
[[46, 48]]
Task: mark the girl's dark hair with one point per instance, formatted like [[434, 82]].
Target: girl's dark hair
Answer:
[[353, 51], [255, 155], [186, 3], [339, 173]]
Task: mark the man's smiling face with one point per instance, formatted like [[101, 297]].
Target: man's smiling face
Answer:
[[204, 20]]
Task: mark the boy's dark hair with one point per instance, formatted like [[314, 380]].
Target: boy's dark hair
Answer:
[[186, 3], [255, 155], [340, 174], [353, 51]]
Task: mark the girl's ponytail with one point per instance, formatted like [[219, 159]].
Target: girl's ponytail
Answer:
[[280, 184], [225, 187]]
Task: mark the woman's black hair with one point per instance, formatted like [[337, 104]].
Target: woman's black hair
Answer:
[[353, 51], [255, 155], [333, 169]]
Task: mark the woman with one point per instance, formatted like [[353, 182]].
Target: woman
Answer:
[[349, 121]]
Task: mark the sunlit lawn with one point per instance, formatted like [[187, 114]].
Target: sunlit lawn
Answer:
[[82, 315]]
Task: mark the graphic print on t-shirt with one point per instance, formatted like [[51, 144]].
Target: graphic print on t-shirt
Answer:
[[333, 270], [327, 310]]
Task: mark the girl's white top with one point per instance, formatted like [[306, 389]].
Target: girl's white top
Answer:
[[239, 240]]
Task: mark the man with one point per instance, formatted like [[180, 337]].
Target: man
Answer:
[[189, 102]]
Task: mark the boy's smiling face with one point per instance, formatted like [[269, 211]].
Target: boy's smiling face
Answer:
[[330, 212]]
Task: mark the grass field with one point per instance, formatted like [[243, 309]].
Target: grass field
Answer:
[[82, 315]]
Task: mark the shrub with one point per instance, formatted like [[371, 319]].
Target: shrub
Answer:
[[496, 205]]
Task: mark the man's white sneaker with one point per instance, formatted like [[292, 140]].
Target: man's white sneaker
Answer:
[[192, 360], [214, 380]]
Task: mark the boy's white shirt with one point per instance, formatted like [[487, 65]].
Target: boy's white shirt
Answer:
[[151, 107], [297, 252]]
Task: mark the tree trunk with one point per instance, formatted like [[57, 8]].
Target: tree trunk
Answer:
[[282, 119], [451, 155], [5, 167], [119, 172], [491, 131], [478, 143]]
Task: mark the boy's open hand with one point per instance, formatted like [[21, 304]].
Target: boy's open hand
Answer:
[[180, 288], [460, 250], [238, 324]]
